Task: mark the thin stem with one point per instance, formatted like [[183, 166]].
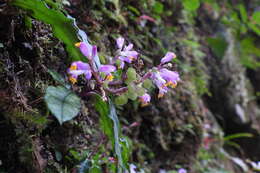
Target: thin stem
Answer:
[[117, 82], [116, 91], [146, 76], [95, 73]]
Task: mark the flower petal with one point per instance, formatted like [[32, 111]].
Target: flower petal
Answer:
[[145, 99], [78, 68], [169, 75], [86, 49], [120, 42], [129, 47], [162, 91], [129, 53], [168, 57], [158, 80], [81, 65], [182, 170], [107, 68], [77, 72], [88, 75], [122, 64], [94, 51]]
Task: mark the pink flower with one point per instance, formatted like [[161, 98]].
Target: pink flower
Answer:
[[168, 57], [126, 54], [170, 76], [163, 79], [160, 83], [107, 69], [78, 68], [87, 50], [120, 42], [145, 99], [182, 170]]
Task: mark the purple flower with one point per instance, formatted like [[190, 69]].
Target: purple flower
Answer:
[[120, 42], [107, 69], [163, 78], [182, 170], [78, 68], [160, 83], [87, 50], [171, 77], [145, 99], [168, 57], [158, 80], [126, 54]]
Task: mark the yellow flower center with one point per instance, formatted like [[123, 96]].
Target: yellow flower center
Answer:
[[143, 103], [171, 84], [109, 77], [72, 80], [77, 44], [132, 58], [73, 67], [160, 95]]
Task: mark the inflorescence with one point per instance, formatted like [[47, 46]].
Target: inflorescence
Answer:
[[104, 75]]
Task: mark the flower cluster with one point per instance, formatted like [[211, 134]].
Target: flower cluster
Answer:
[[78, 67], [127, 80], [126, 54], [164, 78]]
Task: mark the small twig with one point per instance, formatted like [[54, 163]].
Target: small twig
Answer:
[[117, 82], [146, 76], [95, 74], [116, 91]]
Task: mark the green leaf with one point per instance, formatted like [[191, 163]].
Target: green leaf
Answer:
[[249, 52], [62, 27], [248, 46], [134, 10], [104, 121], [28, 22], [140, 91], [254, 28], [148, 84], [233, 144], [158, 7], [58, 78], [243, 13], [131, 74], [121, 100], [131, 92], [124, 142], [238, 135], [110, 125], [58, 155], [256, 17], [117, 134], [191, 5], [63, 103], [218, 46], [95, 170]]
